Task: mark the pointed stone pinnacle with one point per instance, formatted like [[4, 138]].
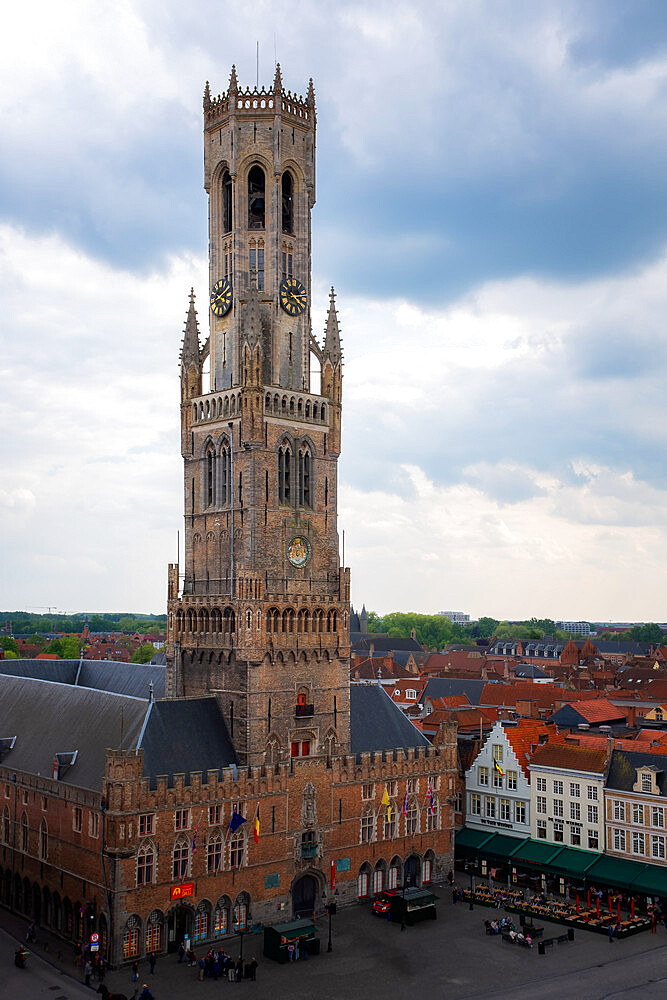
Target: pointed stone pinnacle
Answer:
[[233, 82], [278, 80]]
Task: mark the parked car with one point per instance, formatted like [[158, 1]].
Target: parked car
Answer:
[[382, 901]]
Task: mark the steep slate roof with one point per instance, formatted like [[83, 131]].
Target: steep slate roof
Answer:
[[622, 774], [48, 718], [62, 671], [569, 758], [102, 675], [442, 687], [185, 735], [376, 723], [124, 678], [529, 670], [383, 643]]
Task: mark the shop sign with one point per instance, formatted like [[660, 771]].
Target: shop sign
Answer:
[[182, 891]]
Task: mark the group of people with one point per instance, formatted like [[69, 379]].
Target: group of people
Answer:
[[94, 965], [498, 926], [218, 964]]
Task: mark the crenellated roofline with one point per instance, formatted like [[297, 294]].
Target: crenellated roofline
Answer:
[[254, 102]]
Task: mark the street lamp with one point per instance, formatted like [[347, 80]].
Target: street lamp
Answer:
[[403, 906], [330, 907], [240, 930], [470, 867]]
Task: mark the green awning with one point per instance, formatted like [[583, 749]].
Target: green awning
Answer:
[[652, 881], [616, 872], [501, 846], [536, 853], [469, 841], [573, 862]]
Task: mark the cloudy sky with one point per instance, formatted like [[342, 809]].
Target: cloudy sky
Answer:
[[492, 210]]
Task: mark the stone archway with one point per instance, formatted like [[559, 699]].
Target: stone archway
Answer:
[[180, 926], [305, 892], [412, 870]]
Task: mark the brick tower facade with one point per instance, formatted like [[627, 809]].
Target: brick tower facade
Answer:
[[260, 616]]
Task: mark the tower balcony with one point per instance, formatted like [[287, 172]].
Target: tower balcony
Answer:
[[317, 586], [303, 407]]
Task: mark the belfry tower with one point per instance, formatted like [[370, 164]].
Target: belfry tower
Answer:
[[260, 618]]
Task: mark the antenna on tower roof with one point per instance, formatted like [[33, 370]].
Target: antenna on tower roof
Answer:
[[258, 64], [275, 53]]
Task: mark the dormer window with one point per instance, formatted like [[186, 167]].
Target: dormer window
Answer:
[[647, 782]]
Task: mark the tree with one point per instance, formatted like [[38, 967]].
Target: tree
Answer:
[[71, 648], [648, 633], [7, 643], [485, 627], [143, 653]]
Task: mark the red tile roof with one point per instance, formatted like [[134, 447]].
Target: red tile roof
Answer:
[[570, 758], [524, 738], [599, 710]]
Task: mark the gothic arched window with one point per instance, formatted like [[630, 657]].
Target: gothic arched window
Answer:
[[210, 476], [181, 857], [226, 202], [146, 863], [225, 475], [288, 206], [284, 474], [305, 463], [214, 852], [256, 198]]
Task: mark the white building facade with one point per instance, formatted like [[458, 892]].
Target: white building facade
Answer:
[[497, 785]]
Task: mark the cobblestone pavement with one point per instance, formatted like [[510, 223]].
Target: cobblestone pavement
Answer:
[[451, 958]]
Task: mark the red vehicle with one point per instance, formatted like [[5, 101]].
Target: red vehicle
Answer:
[[382, 901]]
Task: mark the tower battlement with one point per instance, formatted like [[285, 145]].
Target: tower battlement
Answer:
[[254, 102]]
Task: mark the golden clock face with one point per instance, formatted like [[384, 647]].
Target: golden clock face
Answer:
[[221, 297], [292, 296]]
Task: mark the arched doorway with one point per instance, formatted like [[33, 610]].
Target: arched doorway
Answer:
[[304, 896], [412, 870], [179, 927]]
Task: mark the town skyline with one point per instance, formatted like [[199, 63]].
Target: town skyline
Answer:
[[500, 291]]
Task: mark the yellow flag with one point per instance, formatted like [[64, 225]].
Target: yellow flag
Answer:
[[385, 802]]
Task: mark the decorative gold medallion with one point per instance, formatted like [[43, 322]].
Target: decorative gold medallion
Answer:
[[298, 551]]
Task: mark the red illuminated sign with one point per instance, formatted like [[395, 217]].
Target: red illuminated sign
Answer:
[[182, 891]]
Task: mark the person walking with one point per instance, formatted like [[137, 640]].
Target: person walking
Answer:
[[135, 972], [611, 933], [654, 921], [239, 971], [252, 966], [87, 972], [181, 952], [152, 959]]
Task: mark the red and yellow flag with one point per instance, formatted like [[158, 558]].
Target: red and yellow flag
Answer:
[[256, 828]]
